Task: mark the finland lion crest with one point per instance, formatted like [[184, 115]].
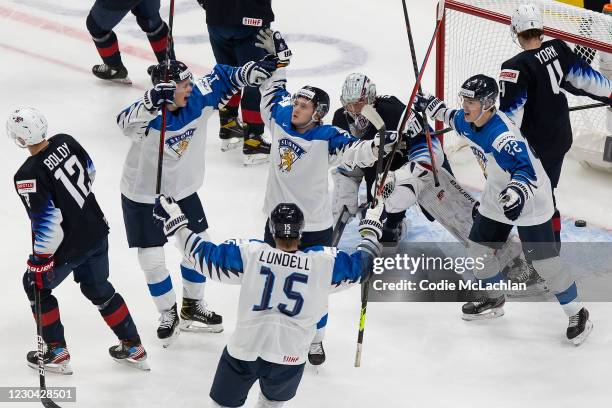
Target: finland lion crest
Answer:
[[289, 152]]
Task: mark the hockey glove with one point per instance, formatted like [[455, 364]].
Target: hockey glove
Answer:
[[413, 125], [274, 43], [390, 139], [162, 93], [40, 271], [371, 225], [168, 213], [255, 73], [513, 198], [433, 107]]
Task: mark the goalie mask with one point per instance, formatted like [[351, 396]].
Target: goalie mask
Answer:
[[358, 90], [287, 221], [481, 88]]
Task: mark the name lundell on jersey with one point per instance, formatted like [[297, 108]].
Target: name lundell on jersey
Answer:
[[284, 259]]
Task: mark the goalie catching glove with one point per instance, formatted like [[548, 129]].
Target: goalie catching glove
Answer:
[[169, 215]]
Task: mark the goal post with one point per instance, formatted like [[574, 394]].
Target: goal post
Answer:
[[475, 39]]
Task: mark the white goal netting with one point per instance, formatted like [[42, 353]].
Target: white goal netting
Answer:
[[475, 38]]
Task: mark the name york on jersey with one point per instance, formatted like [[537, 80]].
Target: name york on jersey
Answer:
[[180, 142], [57, 157], [289, 152]]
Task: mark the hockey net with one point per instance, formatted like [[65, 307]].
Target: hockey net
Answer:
[[475, 39]]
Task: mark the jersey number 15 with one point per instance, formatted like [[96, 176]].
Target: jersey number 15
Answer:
[[287, 288]]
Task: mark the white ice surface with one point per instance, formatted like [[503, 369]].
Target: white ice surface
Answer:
[[415, 354]]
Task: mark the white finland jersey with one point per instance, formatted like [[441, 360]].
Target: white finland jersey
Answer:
[[283, 294], [504, 155], [299, 163], [185, 140]]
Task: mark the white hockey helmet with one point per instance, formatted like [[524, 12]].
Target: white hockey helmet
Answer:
[[26, 127], [526, 17]]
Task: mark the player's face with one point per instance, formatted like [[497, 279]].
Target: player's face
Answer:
[[472, 109], [182, 92], [355, 107], [303, 109]]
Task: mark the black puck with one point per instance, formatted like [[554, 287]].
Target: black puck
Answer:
[[580, 223]]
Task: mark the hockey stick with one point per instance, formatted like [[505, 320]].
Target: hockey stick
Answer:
[[46, 402], [406, 113], [374, 118], [424, 123], [162, 132], [589, 106], [343, 219]]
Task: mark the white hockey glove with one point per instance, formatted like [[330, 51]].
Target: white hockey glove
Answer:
[[255, 73], [370, 228], [414, 126], [433, 107], [161, 93], [274, 43], [390, 139], [168, 213], [513, 198]]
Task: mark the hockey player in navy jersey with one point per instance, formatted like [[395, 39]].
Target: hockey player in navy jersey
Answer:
[[190, 104], [283, 293], [303, 149], [532, 86], [69, 235], [517, 192]]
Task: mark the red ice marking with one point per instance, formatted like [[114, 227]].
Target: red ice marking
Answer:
[[82, 35], [117, 316]]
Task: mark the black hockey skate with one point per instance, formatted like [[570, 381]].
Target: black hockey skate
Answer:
[[130, 353], [196, 317], [484, 308], [231, 132], [316, 354], [256, 150], [56, 359], [579, 327], [115, 74], [521, 271], [168, 328]]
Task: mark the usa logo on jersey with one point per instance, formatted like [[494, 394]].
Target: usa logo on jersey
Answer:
[[180, 142], [289, 152]]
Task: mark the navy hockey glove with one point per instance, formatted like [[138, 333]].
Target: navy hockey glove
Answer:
[[158, 95], [433, 107], [274, 43], [40, 271], [168, 214], [390, 139], [513, 198], [255, 73]]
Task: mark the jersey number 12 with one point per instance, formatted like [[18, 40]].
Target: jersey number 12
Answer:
[[287, 288], [72, 166]]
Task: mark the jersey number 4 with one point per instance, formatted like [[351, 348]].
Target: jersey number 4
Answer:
[[287, 288], [72, 166]]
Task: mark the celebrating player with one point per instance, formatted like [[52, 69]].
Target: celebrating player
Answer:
[[189, 107], [284, 292], [531, 85], [302, 150], [69, 234], [517, 192]]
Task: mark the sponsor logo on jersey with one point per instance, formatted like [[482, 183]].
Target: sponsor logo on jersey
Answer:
[[290, 359], [509, 75], [180, 142], [440, 195], [289, 152], [26, 186], [203, 84], [502, 139], [253, 22]]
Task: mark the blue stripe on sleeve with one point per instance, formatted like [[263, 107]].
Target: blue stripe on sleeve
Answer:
[[224, 258], [349, 267]]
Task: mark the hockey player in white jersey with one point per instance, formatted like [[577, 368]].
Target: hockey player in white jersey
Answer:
[[517, 192], [190, 103], [302, 151], [283, 293]]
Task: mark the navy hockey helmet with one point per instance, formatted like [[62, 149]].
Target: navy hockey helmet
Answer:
[[287, 221], [319, 98], [177, 72], [482, 88]]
